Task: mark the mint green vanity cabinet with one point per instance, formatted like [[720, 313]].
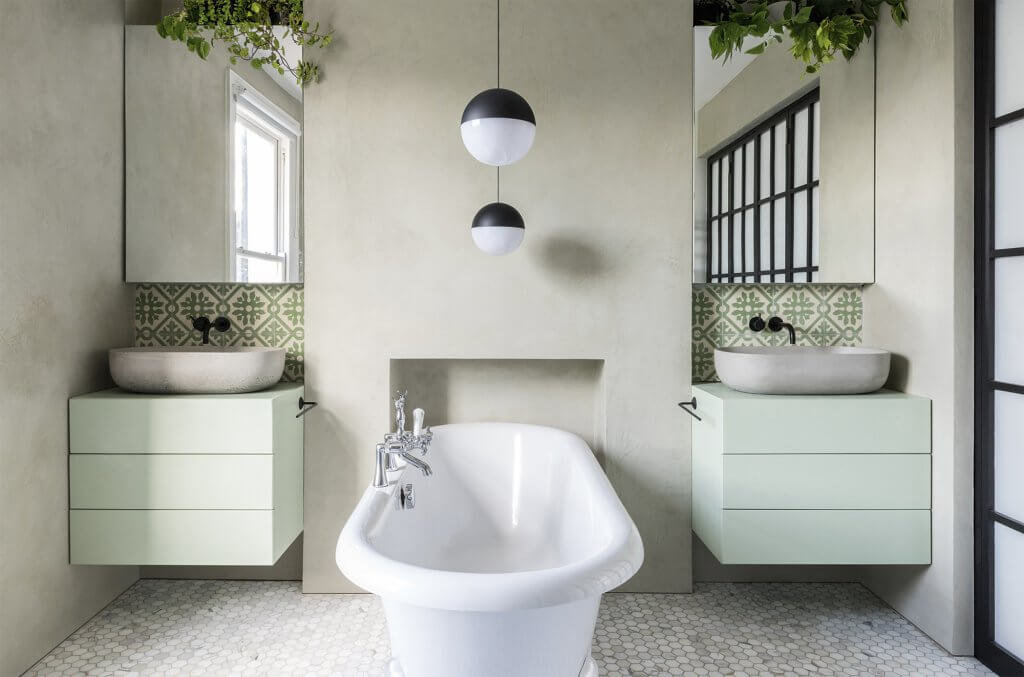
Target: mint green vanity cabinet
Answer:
[[838, 479], [185, 479]]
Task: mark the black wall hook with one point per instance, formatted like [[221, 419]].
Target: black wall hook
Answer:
[[691, 403], [305, 406]]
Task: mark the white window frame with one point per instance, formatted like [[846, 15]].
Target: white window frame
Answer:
[[266, 117]]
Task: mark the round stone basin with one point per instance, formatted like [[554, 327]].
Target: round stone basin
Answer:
[[802, 370], [196, 369]]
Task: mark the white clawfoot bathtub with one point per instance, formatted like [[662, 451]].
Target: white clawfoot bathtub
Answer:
[[498, 571]]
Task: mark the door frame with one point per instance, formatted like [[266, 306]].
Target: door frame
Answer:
[[985, 517]]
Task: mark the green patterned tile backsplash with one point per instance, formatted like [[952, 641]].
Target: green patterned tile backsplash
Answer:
[[823, 315], [260, 314]]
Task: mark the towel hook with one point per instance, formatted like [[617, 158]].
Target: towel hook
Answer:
[[691, 403], [304, 407]]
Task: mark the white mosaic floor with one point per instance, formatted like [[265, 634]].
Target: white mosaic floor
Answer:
[[162, 627]]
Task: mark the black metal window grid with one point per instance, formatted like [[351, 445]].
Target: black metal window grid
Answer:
[[762, 200], [990, 382]]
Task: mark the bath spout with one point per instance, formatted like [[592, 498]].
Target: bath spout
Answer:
[[417, 463]]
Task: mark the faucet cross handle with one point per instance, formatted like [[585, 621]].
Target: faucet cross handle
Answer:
[[400, 411]]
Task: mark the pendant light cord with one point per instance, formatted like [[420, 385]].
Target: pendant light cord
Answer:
[[498, 12], [497, 4]]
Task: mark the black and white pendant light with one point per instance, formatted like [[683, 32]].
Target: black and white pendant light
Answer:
[[498, 229], [498, 128]]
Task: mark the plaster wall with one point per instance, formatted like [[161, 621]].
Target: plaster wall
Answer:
[[603, 274], [921, 306], [63, 302]]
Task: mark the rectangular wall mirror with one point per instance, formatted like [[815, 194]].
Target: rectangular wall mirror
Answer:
[[213, 162], [783, 168]]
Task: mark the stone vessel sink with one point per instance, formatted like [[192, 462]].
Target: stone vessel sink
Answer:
[[802, 370], [196, 369]]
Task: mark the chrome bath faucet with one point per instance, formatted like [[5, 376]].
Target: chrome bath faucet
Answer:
[[401, 443]]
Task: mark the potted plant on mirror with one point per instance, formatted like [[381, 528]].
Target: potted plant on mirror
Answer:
[[818, 29], [251, 31]]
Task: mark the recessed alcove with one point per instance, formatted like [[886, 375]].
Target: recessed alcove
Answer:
[[563, 393]]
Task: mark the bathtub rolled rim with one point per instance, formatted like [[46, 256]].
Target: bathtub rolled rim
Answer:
[[612, 565]]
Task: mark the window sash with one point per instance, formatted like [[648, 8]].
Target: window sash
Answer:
[[740, 207], [249, 109]]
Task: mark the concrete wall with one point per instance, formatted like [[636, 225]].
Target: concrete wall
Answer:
[[63, 302], [176, 154], [774, 80], [602, 275], [922, 305]]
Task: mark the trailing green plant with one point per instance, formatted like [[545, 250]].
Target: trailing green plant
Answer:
[[818, 29], [246, 27]]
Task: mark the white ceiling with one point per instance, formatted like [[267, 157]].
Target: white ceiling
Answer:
[[293, 53], [710, 76]]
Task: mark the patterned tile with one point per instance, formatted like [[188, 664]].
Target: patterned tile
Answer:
[[163, 627], [823, 315], [261, 315]]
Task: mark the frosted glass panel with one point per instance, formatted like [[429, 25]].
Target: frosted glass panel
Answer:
[[748, 173], [737, 245], [714, 188], [1009, 455], [780, 234], [800, 229], [1008, 594], [766, 237], [737, 178], [780, 157], [1009, 174], [714, 248], [817, 140], [800, 148], [1009, 56], [815, 229], [766, 163], [748, 244], [1009, 319], [725, 183]]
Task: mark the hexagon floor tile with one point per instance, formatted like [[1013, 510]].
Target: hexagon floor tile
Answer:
[[164, 627]]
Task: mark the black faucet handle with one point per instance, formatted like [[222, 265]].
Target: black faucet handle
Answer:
[[201, 323], [756, 323], [777, 324], [222, 324]]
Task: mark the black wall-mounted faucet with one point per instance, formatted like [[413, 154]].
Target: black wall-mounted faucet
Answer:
[[778, 324], [203, 324]]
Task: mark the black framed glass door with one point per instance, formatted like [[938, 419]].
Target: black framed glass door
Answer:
[[999, 325]]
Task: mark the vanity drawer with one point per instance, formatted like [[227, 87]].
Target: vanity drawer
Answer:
[[826, 481], [180, 537], [824, 537], [118, 422], [884, 422], [172, 481]]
